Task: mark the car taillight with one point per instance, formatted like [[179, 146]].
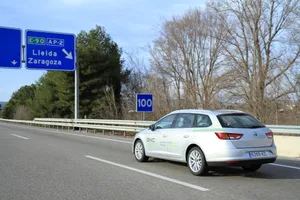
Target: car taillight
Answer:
[[229, 136], [269, 135]]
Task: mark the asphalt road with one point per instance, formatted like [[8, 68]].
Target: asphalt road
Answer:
[[42, 164]]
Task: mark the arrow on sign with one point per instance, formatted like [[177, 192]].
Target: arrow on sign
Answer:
[[14, 62], [68, 55]]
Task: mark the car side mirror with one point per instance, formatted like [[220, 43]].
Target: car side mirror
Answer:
[[152, 127]]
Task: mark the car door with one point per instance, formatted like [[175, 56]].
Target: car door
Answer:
[[178, 137], [156, 141]]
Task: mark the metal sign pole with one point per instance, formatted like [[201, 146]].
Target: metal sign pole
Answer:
[[76, 108]]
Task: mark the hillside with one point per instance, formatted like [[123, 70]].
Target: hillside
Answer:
[[2, 103]]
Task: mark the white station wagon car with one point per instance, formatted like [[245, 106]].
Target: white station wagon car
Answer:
[[205, 138]]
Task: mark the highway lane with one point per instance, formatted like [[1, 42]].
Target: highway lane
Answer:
[[54, 165]]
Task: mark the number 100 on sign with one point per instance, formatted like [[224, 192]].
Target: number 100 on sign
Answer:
[[144, 103]]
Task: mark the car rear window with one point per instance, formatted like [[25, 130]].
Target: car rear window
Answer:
[[239, 121]]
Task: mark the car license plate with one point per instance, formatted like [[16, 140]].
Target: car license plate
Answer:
[[258, 154]]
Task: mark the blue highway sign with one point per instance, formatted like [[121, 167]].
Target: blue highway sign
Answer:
[[10, 47], [144, 103], [50, 51]]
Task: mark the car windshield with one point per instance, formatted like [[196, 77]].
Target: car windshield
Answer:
[[239, 121]]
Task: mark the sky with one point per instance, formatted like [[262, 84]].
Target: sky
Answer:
[[133, 24]]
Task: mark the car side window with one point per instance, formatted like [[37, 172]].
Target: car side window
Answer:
[[185, 121], [203, 121], [165, 122]]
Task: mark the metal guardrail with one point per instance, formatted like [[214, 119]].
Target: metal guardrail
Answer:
[[285, 130], [136, 123], [87, 127], [124, 125]]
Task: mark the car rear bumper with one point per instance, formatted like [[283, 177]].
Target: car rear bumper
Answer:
[[241, 162], [233, 155]]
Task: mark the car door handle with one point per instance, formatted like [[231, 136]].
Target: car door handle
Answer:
[[186, 136], [164, 136]]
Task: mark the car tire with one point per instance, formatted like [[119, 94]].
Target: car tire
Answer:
[[139, 151], [251, 168], [196, 162]]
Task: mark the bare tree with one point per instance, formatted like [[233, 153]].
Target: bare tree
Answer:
[[106, 107], [137, 83], [187, 53], [262, 47], [21, 113]]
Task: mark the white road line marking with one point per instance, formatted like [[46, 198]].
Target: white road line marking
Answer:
[[74, 134], [149, 174], [287, 166], [20, 136]]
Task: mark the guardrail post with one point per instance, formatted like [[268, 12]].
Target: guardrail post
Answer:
[[87, 130], [79, 129], [124, 133]]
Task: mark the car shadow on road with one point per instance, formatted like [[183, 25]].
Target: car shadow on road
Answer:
[[265, 172]]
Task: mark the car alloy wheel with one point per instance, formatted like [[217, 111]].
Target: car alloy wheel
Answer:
[[139, 151], [196, 161]]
